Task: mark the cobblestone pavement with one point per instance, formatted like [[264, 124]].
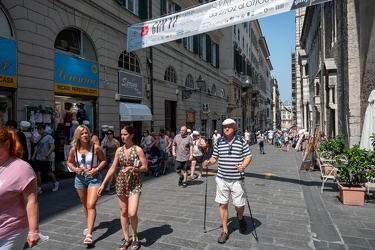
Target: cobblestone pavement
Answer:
[[287, 207]]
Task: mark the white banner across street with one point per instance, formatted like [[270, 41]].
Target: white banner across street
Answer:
[[210, 16]]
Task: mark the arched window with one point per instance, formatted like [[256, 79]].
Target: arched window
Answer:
[[129, 61], [74, 41], [5, 28], [189, 82], [170, 75]]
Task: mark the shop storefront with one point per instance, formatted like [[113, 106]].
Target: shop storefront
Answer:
[[76, 86], [131, 110], [8, 79]]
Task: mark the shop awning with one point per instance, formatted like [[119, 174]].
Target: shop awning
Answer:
[[134, 112]]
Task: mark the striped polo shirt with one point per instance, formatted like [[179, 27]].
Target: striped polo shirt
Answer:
[[229, 156]]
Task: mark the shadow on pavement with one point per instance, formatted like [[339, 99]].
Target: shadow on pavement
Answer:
[[112, 227], [153, 234]]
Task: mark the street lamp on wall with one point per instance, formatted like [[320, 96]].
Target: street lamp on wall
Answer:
[[186, 93]]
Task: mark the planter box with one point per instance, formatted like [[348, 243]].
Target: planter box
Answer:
[[352, 195]]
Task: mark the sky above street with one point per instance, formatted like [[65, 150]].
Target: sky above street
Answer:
[[279, 31]]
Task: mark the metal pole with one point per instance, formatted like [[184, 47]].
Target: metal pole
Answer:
[[205, 203], [248, 204]]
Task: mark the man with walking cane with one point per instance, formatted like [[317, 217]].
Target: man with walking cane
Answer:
[[233, 156]]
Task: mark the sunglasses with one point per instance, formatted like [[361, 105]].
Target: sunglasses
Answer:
[[110, 134], [230, 150], [83, 160]]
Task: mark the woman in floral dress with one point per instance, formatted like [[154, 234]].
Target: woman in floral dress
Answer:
[[128, 184]]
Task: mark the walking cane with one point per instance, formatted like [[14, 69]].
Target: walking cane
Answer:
[[205, 203], [248, 204]]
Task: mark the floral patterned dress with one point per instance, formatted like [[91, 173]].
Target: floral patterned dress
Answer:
[[129, 183]]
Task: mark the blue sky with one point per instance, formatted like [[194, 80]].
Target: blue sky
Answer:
[[279, 31]]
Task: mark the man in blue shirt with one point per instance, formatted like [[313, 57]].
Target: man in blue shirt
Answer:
[[233, 156]]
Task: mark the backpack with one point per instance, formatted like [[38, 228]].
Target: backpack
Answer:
[[206, 148]]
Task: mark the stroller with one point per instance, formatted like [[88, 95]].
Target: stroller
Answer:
[[155, 163]]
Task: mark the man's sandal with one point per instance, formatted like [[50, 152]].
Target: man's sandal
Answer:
[[88, 239], [125, 244], [135, 242]]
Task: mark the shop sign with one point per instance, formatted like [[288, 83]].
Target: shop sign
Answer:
[[76, 76], [190, 116], [130, 84], [8, 63], [205, 109]]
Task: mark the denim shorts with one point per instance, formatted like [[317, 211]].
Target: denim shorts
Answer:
[[83, 181]]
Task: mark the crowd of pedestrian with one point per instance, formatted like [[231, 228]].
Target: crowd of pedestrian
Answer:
[[125, 162]]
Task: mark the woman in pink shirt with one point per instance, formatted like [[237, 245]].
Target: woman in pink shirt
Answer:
[[19, 210]]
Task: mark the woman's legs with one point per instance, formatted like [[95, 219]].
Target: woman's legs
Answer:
[[200, 170], [124, 216], [192, 168]]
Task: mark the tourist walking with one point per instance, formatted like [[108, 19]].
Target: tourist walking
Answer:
[[45, 146], [233, 156], [198, 145], [110, 147], [165, 146], [182, 150], [86, 159], [147, 141], [128, 184], [19, 211]]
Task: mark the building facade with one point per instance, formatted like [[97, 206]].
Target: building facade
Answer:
[[67, 60], [332, 91]]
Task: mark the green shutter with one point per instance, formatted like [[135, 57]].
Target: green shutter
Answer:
[[177, 7], [163, 7], [217, 56], [208, 49], [196, 44], [143, 9]]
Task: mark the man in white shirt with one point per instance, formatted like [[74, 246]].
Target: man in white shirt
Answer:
[[247, 137], [216, 136]]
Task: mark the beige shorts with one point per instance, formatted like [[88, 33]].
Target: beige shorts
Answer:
[[226, 188]]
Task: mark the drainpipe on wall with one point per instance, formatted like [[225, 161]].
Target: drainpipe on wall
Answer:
[[151, 79]]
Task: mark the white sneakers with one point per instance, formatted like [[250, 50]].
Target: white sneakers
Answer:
[[55, 186], [54, 189]]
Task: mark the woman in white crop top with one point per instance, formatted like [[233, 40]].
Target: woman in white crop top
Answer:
[[86, 159]]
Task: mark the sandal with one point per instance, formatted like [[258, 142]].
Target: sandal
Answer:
[[85, 231], [88, 239], [135, 242], [125, 244]]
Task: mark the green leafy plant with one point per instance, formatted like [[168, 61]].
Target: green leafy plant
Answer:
[[358, 166], [336, 145], [372, 137]]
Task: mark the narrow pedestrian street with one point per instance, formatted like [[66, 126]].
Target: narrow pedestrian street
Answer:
[[287, 207]]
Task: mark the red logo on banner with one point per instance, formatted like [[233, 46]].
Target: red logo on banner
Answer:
[[144, 31]]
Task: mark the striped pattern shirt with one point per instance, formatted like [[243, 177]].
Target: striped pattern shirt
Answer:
[[229, 156]]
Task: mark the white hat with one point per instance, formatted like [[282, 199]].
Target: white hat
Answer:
[[188, 130], [195, 132], [229, 121], [75, 122], [110, 127], [85, 122], [105, 128], [25, 125]]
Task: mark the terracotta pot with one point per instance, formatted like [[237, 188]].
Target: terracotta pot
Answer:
[[327, 169], [352, 195]]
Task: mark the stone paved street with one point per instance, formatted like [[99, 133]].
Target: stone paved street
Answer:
[[288, 210]]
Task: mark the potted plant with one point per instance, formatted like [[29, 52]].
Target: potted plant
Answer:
[[352, 174], [336, 145]]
